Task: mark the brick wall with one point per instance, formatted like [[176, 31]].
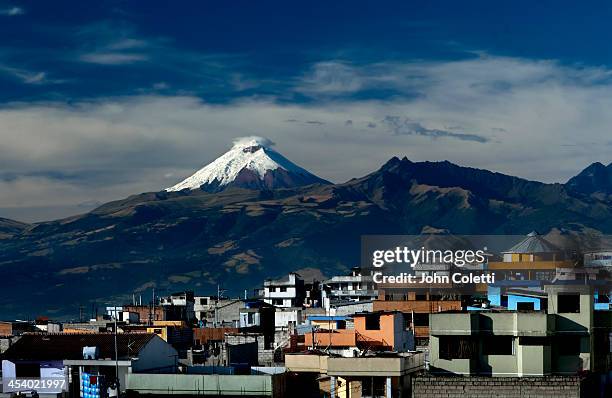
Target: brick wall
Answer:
[[503, 387]]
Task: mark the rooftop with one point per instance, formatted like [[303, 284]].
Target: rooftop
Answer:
[[533, 243], [38, 346]]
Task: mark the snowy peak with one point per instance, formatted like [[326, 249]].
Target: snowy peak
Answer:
[[251, 163]]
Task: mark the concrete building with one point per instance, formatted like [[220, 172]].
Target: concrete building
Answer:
[[76, 357], [533, 258], [559, 341], [376, 331], [351, 307], [376, 375], [286, 292], [417, 301], [353, 287], [179, 306], [215, 385], [599, 258], [203, 305]]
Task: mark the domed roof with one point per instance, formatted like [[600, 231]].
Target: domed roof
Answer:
[[533, 243]]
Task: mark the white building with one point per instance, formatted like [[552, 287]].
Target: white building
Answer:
[[353, 287], [600, 258], [286, 292], [203, 305]]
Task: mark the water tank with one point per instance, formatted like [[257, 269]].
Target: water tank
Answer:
[[91, 352]]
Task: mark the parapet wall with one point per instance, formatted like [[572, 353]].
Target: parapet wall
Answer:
[[506, 387]]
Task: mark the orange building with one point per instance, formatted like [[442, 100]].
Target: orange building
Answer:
[[381, 330]]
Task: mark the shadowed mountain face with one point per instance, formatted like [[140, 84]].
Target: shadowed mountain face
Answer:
[[238, 237], [595, 179], [10, 228]]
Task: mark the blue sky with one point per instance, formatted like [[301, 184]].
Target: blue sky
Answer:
[[101, 100]]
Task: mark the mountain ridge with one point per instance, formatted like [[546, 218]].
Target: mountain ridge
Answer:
[[237, 236]]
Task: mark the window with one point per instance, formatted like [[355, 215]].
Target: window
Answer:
[[457, 347], [372, 322], [421, 319], [568, 345], [498, 345], [420, 297], [373, 387], [27, 370], [568, 303], [283, 288], [532, 341], [525, 306]]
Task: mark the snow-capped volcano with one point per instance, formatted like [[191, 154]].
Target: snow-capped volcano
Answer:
[[251, 163]]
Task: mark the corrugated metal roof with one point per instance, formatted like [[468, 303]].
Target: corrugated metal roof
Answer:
[[70, 346], [533, 243]]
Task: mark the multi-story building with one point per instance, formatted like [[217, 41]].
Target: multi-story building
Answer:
[[565, 339], [203, 305], [179, 306], [533, 258], [417, 301], [599, 258], [314, 374], [285, 292], [352, 287], [371, 331]]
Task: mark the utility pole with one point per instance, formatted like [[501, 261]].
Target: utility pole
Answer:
[[116, 353]]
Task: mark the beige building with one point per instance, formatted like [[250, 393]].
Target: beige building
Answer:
[[521, 343], [378, 375]]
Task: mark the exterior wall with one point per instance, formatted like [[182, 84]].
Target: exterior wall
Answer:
[[353, 308], [282, 318], [145, 312], [510, 387], [205, 335], [157, 355], [391, 332], [337, 338], [212, 385]]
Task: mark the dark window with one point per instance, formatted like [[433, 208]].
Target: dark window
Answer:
[[569, 303], [283, 289], [27, 370], [373, 387], [603, 298], [435, 297], [525, 306], [529, 340], [498, 345], [568, 345], [372, 322], [421, 320], [457, 347], [420, 297]]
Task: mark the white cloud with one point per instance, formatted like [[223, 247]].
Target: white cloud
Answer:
[[539, 120], [26, 76], [112, 58], [12, 11]]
